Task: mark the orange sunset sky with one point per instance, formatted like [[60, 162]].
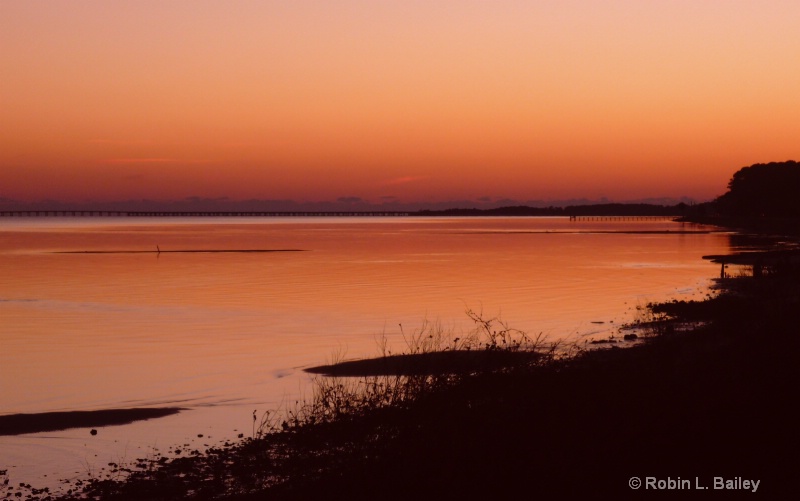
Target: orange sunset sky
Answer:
[[410, 101]]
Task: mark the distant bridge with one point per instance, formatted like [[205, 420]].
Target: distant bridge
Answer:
[[122, 213], [623, 218]]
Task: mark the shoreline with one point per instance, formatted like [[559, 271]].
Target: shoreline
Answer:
[[427, 364]]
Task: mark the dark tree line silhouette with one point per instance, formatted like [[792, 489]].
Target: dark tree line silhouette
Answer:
[[608, 209], [760, 197], [769, 190]]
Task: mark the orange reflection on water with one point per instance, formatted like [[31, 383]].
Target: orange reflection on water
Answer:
[[232, 330], [351, 280]]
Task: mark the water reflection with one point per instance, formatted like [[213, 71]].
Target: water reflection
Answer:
[[230, 331]]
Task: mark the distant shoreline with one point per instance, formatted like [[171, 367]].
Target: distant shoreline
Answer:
[[608, 210]]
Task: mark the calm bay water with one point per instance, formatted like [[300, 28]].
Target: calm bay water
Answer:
[[91, 317]]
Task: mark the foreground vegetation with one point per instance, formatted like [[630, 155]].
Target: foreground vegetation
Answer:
[[703, 393]]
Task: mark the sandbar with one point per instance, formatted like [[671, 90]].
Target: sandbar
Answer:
[[18, 424], [419, 364]]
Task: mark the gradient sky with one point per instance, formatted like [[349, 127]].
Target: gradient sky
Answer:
[[417, 100]]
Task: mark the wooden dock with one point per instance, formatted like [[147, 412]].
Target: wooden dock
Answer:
[[623, 218]]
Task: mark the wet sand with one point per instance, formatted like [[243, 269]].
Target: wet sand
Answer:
[[17, 424]]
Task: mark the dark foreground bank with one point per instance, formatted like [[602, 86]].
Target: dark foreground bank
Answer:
[[699, 409]]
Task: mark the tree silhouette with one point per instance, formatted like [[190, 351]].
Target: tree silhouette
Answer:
[[763, 191]]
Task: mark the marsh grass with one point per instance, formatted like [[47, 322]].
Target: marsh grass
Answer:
[[344, 420], [338, 398]]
